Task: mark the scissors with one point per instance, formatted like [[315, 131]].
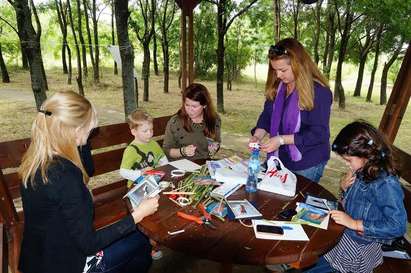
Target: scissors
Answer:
[[201, 220]]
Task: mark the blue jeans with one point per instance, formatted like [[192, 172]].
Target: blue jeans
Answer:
[[131, 254], [322, 266], [314, 173]]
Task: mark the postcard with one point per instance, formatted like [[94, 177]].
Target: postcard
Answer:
[[309, 215], [243, 209], [321, 203], [145, 189]]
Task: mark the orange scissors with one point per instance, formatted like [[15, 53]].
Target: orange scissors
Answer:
[[201, 220]]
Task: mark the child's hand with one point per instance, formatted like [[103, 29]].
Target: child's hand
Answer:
[[147, 207], [344, 219], [190, 150], [347, 180]]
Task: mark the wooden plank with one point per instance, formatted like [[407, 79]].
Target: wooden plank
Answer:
[[3, 248], [7, 209], [403, 163], [399, 98], [11, 152]]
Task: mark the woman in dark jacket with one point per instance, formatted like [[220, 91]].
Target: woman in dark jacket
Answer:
[[58, 209]]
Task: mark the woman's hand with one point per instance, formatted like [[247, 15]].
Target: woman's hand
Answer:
[[271, 145], [347, 180], [213, 148], [189, 150], [147, 207]]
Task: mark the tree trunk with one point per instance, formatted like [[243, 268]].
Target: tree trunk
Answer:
[[387, 65], [375, 66], [79, 78], [90, 43], [4, 73], [61, 16], [364, 49], [96, 68], [166, 65], [155, 61], [70, 68], [220, 55], [331, 29], [113, 40], [277, 20], [296, 11], [30, 41], [82, 43], [317, 13], [358, 85], [127, 56], [146, 70], [339, 90]]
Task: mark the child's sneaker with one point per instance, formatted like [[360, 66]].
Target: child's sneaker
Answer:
[[156, 254]]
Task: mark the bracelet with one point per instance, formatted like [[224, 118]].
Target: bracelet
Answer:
[[182, 152]]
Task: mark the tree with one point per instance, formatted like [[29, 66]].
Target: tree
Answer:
[[113, 40], [90, 43], [227, 12], [364, 48], [147, 13], [345, 32], [79, 77], [374, 68], [62, 19], [277, 19], [81, 39], [3, 68], [329, 47], [166, 14], [127, 56], [317, 32], [30, 42], [395, 53]]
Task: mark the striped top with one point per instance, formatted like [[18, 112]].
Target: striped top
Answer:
[[350, 255]]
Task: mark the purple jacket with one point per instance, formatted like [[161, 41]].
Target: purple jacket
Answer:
[[313, 139]]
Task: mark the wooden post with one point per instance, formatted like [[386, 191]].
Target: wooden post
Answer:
[[3, 249], [190, 47], [398, 101]]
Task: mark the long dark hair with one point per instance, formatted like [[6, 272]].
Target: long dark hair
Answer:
[[363, 140], [198, 92]]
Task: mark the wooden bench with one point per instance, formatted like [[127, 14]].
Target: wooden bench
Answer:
[[107, 142], [392, 265]]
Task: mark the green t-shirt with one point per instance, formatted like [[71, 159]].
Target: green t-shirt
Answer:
[[141, 156]]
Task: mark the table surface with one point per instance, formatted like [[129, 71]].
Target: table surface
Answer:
[[233, 243]]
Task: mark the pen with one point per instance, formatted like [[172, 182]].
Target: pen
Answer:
[[325, 203], [286, 227]]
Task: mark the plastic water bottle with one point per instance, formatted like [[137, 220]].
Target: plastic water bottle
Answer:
[[253, 170]]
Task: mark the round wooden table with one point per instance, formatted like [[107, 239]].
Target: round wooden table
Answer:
[[233, 243]]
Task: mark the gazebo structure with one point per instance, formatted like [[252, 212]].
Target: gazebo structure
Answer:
[[186, 45]]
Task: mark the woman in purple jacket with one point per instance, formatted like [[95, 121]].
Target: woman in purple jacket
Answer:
[[296, 112]]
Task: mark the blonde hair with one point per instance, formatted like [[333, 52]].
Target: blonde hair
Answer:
[[137, 118], [304, 69], [54, 132]]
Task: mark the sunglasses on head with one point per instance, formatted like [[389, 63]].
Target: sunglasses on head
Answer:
[[277, 50]]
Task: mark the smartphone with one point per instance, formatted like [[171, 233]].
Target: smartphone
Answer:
[[270, 229], [287, 214]]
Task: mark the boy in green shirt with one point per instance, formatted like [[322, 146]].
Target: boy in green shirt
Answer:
[[143, 152]]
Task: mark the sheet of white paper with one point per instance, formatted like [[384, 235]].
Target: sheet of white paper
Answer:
[[185, 164], [292, 231]]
